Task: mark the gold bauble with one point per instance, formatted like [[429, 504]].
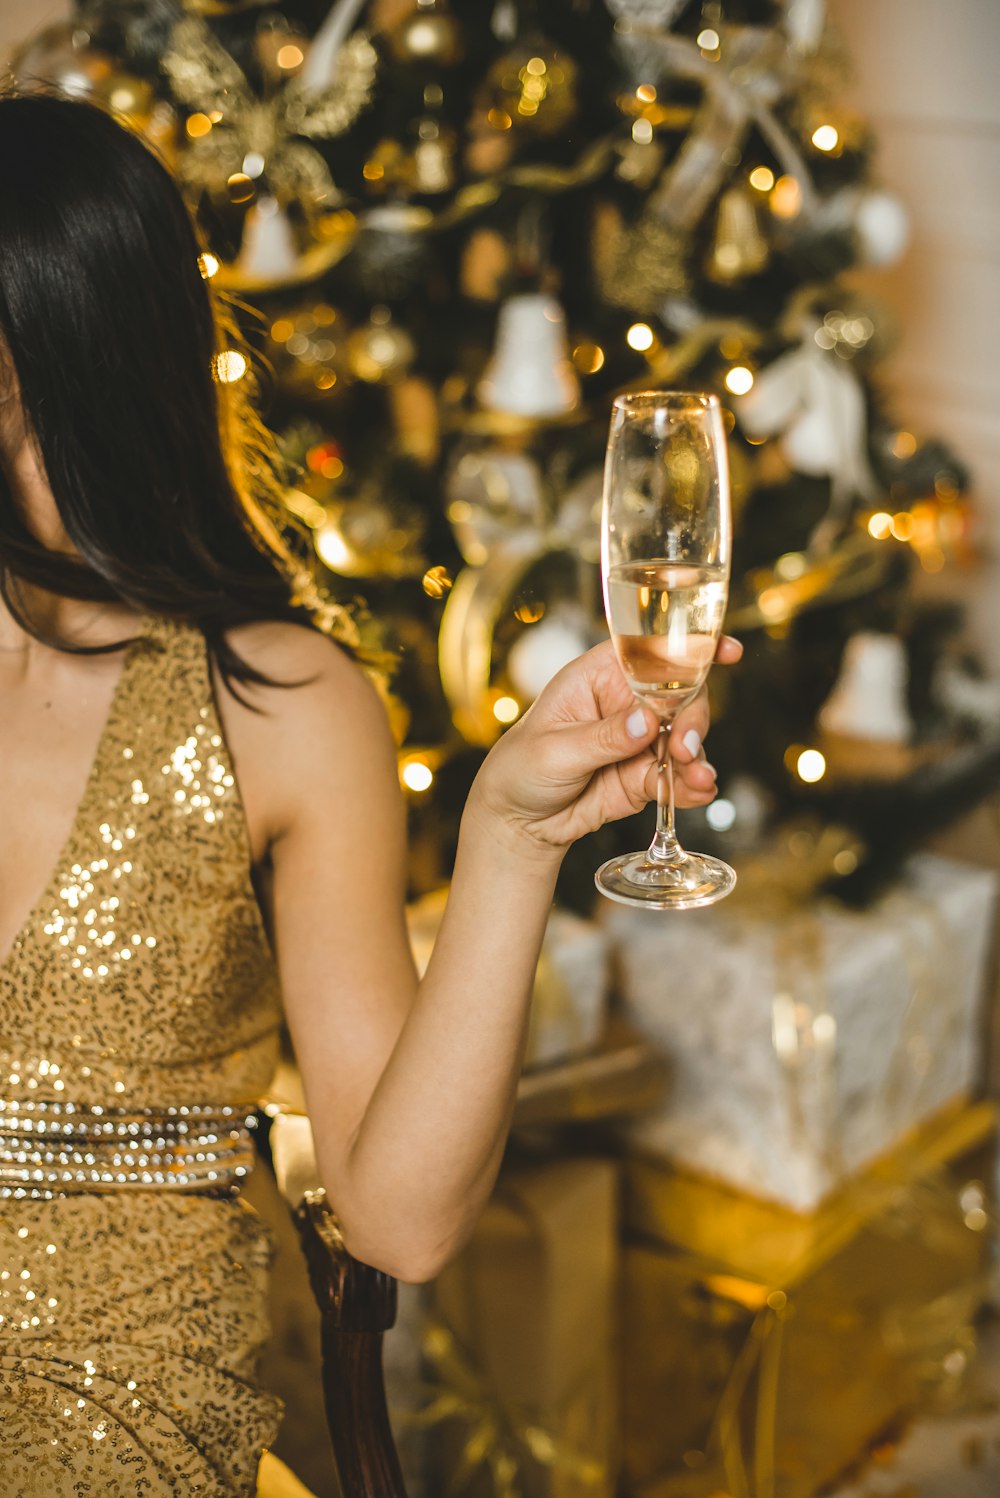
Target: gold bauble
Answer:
[[129, 98], [380, 352], [533, 87]]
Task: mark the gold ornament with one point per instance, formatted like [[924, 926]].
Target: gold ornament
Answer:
[[371, 536], [486, 260], [126, 96], [739, 249], [306, 350], [638, 264], [531, 89], [234, 132], [380, 352], [433, 157]]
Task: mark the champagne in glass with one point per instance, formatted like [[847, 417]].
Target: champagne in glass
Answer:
[[665, 548]]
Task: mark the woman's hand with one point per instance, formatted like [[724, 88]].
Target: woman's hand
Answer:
[[584, 754]]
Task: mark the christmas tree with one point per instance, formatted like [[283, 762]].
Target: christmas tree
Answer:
[[451, 235]]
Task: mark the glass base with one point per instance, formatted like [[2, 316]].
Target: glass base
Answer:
[[637, 879]]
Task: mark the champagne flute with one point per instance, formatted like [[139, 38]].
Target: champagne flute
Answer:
[[665, 556]]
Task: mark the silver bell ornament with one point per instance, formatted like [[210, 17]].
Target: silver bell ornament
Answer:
[[530, 373]]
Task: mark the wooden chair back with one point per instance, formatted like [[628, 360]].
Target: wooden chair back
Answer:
[[357, 1305]]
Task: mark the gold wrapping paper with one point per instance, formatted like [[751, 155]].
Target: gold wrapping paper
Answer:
[[764, 1349], [525, 1339]]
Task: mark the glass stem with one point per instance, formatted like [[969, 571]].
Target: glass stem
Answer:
[[665, 848]]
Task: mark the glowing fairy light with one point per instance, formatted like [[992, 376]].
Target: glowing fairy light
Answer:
[[639, 337], [416, 775], [506, 709], [739, 379], [230, 366], [810, 766], [826, 138]]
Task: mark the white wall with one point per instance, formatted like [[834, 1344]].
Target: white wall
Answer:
[[19, 17], [926, 79]]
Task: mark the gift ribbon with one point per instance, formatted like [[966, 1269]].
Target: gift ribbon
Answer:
[[500, 1433], [481, 593], [927, 1335], [810, 384]]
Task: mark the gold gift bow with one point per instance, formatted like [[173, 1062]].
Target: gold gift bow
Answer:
[[496, 1429], [925, 1336], [205, 77], [741, 87]]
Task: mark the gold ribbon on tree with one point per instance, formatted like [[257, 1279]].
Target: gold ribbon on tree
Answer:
[[507, 538]]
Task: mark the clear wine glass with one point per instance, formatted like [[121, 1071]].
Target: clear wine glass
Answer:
[[665, 556]]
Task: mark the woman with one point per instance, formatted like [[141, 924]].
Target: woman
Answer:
[[148, 649]]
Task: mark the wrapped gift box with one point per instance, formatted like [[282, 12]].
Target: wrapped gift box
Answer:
[[763, 1349], [523, 1338], [803, 1043], [569, 1000]]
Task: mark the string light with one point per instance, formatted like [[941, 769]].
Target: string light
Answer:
[[230, 366], [786, 197], [332, 549], [207, 264], [640, 337], [197, 125], [739, 379], [708, 40], [416, 775], [825, 138], [762, 178], [720, 815], [506, 709], [880, 526], [642, 132], [290, 56], [810, 766]]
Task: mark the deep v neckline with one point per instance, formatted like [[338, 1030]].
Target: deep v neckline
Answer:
[[89, 789]]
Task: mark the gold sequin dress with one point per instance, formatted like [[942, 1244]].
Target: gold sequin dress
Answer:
[[139, 1014]]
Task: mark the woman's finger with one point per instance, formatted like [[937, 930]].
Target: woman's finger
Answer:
[[728, 651]]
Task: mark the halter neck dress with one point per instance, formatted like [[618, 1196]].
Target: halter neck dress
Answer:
[[139, 1023]]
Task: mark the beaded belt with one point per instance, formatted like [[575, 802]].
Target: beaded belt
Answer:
[[49, 1149]]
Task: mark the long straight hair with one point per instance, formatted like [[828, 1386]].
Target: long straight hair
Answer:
[[166, 481]]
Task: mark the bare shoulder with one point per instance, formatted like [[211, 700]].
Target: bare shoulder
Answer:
[[322, 723]]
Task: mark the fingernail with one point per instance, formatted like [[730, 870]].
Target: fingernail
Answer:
[[692, 742], [712, 770], [636, 723]]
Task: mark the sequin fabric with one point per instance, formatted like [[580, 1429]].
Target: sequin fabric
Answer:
[[132, 1320]]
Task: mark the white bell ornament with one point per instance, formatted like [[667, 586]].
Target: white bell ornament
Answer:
[[882, 227], [268, 251], [530, 373], [868, 700]]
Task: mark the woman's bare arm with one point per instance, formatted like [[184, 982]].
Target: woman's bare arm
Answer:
[[410, 1087]]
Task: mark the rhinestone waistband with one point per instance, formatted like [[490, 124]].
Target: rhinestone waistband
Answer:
[[51, 1149]]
